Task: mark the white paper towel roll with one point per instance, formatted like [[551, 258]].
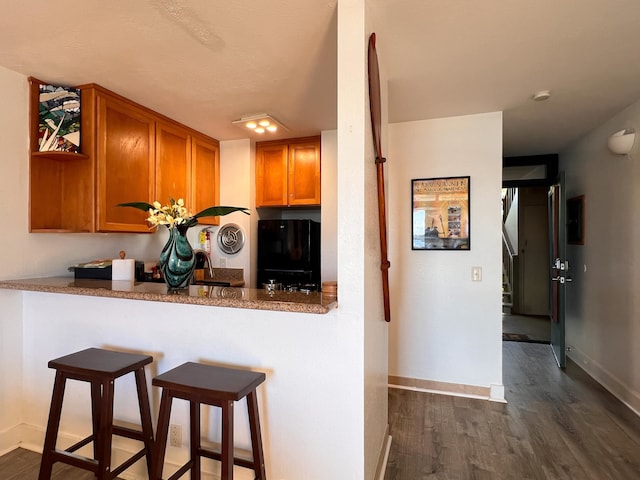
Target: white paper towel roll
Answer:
[[123, 269]]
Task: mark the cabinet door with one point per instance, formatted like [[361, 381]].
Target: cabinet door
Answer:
[[173, 163], [271, 175], [205, 177], [125, 162], [304, 173]]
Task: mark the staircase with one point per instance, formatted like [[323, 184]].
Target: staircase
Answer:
[[507, 292], [509, 255]]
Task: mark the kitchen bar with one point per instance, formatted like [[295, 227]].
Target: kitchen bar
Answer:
[[302, 347], [251, 298]]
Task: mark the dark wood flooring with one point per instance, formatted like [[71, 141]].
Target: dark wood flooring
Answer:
[[558, 424], [536, 328], [21, 464]]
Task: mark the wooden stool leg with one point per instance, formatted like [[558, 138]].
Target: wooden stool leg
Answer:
[[226, 456], [96, 400], [194, 430], [162, 432], [46, 464], [145, 416], [256, 437], [105, 432]]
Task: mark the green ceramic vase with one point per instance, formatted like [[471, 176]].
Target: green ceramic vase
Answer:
[[177, 260]]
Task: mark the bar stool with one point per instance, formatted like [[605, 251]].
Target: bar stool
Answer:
[[220, 387], [100, 368]]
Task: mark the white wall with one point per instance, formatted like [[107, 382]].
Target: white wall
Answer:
[[603, 306], [11, 370], [236, 164], [13, 255], [376, 328], [329, 212], [447, 328], [359, 285]]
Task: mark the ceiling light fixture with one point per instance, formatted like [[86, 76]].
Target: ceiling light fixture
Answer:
[[541, 95], [260, 123]]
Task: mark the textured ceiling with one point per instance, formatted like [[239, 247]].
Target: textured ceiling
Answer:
[[207, 63]]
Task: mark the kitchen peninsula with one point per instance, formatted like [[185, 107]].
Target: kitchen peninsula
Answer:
[[251, 298], [301, 344]]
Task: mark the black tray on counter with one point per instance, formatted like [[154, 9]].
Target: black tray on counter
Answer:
[[103, 271]]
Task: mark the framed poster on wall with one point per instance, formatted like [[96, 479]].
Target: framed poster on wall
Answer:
[[440, 213], [59, 122]]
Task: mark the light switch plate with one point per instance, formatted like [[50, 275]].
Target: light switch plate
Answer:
[[476, 274]]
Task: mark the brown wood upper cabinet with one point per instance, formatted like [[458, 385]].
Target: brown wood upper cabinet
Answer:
[[288, 172], [125, 159], [130, 154], [205, 176], [187, 167]]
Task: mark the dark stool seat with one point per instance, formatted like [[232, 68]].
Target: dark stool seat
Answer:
[[217, 386], [100, 368]]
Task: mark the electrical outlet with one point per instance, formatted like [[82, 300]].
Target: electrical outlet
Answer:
[[175, 435]]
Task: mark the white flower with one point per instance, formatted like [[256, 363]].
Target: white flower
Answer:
[[175, 213]]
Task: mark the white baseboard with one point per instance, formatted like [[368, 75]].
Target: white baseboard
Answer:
[[384, 456], [10, 439], [497, 393], [494, 393], [609, 381]]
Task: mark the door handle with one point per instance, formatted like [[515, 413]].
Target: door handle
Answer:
[[562, 279]]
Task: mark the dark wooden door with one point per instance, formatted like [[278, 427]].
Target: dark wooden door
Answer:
[[559, 268]]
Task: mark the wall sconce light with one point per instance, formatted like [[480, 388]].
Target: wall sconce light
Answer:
[[621, 142], [260, 123]]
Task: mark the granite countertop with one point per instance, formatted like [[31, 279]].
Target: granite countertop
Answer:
[[252, 298]]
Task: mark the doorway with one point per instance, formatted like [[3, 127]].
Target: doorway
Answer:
[[526, 270]]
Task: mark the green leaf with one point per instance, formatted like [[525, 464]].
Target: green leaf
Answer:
[[220, 211], [139, 205]]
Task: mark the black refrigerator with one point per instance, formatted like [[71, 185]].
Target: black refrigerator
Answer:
[[289, 252]]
